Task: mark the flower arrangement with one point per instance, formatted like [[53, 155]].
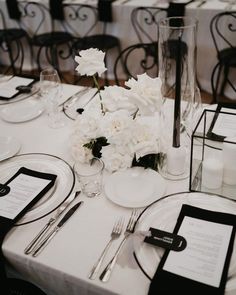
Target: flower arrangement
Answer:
[[121, 125]]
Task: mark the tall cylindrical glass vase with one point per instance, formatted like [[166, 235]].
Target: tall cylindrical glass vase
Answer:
[[177, 70]]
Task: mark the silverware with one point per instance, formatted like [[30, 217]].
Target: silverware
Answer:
[[106, 274], [51, 221], [75, 96], [50, 236], [116, 231]]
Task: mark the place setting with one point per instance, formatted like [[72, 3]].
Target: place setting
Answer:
[[36, 163], [17, 88], [155, 249]]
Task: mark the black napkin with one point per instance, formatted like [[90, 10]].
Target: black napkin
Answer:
[[163, 280], [56, 9], [13, 9], [105, 10]]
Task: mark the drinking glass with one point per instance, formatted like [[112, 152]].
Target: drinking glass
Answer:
[[50, 89], [90, 176]]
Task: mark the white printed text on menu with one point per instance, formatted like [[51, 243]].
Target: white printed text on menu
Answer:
[[23, 189], [204, 257]]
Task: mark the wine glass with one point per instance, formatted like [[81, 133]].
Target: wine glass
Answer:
[[50, 89]]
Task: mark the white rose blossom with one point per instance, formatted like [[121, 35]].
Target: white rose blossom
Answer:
[[91, 61], [80, 152], [116, 98], [87, 124], [145, 92], [116, 127], [145, 136], [116, 158]]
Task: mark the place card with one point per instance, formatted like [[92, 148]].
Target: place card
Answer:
[[203, 265], [24, 189], [8, 88]]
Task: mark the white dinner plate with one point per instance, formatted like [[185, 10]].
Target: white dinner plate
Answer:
[[22, 111], [163, 215], [44, 163], [21, 96], [9, 146], [78, 101], [134, 187]]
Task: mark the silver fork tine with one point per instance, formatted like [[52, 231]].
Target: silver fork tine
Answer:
[[104, 277], [116, 231]]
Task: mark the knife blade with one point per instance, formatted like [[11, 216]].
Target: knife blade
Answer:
[[50, 236], [51, 221]]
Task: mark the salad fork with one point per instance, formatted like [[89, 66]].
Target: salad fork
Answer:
[[116, 231], [104, 277]]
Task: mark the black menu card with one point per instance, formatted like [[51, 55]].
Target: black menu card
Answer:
[[202, 267]]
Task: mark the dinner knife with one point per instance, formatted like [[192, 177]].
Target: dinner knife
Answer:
[[50, 236], [51, 221]]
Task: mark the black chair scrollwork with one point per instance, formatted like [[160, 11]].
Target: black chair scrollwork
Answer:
[[49, 32], [223, 31], [137, 52], [12, 38], [96, 36]]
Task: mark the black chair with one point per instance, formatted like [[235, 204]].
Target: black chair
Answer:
[[96, 36], [56, 42], [12, 39], [145, 24], [223, 31], [125, 61]]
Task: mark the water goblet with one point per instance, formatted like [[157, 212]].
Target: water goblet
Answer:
[[50, 89]]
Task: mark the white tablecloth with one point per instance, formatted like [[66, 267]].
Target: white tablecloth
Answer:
[[63, 267], [122, 28]]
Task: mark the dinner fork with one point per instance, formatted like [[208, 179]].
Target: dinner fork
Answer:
[[104, 277], [116, 231]]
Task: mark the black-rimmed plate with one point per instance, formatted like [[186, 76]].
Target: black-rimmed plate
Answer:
[[163, 215], [44, 163]]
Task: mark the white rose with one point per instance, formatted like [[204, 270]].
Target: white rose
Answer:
[[116, 158], [91, 61], [145, 92], [145, 136], [115, 98], [81, 153], [115, 124], [87, 125]]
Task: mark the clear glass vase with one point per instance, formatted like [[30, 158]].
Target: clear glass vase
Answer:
[[177, 70]]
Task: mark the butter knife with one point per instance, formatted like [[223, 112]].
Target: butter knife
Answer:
[[51, 221], [50, 236]]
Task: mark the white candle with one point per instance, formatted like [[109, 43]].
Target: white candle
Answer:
[[212, 173], [229, 161], [176, 160]]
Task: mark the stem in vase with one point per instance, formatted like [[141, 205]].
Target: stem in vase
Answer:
[[100, 97]]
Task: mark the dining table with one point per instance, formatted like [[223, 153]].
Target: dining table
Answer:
[[63, 267], [121, 27]]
